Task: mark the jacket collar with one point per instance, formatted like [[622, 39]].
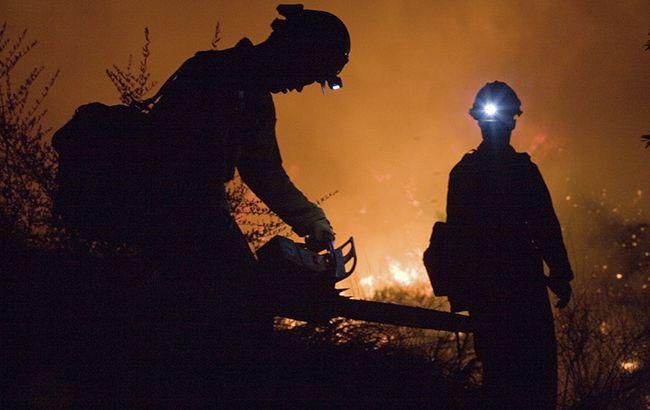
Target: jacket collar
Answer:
[[484, 150]]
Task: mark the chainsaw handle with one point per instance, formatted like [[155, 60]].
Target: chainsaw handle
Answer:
[[336, 259], [330, 247]]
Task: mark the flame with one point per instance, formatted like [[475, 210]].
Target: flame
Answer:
[[604, 328], [406, 274], [405, 270], [630, 366], [368, 282]]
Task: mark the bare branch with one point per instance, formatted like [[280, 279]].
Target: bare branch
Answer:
[[216, 38], [132, 87], [28, 162]]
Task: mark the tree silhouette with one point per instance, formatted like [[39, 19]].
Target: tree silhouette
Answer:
[[133, 86], [28, 161]]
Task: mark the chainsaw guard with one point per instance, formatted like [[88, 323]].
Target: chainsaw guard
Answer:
[[341, 260]]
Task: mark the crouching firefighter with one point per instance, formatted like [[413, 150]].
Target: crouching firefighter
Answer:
[[217, 113], [500, 228]]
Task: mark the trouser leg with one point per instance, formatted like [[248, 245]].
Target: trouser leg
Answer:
[[218, 283], [519, 354]]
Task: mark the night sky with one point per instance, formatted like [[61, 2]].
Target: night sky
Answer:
[[389, 138]]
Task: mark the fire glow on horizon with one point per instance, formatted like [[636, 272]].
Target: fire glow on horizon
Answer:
[[388, 139], [406, 271]]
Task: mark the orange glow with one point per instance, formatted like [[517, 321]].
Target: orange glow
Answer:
[[387, 141]]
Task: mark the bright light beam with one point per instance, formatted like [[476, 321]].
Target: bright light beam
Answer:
[[490, 109]]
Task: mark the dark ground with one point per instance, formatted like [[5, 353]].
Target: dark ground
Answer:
[[77, 334]]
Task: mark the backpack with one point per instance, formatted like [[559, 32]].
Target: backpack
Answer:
[[114, 175], [451, 262], [435, 258], [110, 183], [106, 180]]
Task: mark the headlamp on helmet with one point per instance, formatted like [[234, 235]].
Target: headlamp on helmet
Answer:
[[334, 83], [490, 109], [496, 101], [323, 31]]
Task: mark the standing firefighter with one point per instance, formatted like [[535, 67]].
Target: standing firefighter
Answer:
[[501, 222]]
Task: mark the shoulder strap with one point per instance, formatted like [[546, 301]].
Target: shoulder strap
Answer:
[[147, 104]]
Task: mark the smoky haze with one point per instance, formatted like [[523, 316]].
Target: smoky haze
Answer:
[[389, 138]]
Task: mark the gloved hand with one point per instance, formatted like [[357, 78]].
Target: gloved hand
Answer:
[[320, 234], [561, 287]]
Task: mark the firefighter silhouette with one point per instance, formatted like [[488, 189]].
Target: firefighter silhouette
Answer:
[[215, 115], [501, 208]]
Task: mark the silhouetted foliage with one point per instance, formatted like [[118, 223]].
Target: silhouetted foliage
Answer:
[[449, 356], [257, 221], [604, 333], [28, 161], [216, 38], [133, 86], [358, 362], [603, 348], [453, 351]]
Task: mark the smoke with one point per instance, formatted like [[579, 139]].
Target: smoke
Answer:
[[388, 139]]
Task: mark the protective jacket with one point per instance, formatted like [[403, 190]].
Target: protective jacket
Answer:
[[214, 118], [503, 211], [506, 225]]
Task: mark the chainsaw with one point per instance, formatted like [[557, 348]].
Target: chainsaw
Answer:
[[292, 268], [302, 284]]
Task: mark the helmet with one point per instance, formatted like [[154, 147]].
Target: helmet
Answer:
[[496, 101], [320, 36]]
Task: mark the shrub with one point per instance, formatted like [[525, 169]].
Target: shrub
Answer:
[[28, 162]]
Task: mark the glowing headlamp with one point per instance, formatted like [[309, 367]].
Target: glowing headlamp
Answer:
[[490, 109], [334, 83], [496, 102]]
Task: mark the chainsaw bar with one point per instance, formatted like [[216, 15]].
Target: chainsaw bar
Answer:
[[302, 284], [378, 312]]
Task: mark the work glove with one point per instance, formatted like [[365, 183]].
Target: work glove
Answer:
[[561, 287], [320, 235]]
